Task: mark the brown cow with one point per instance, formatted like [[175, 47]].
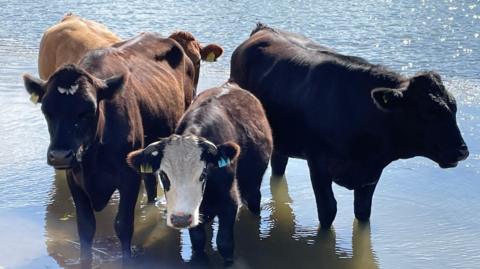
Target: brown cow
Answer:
[[114, 101], [67, 42]]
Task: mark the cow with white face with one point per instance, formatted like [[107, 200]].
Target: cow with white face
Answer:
[[182, 164], [215, 161]]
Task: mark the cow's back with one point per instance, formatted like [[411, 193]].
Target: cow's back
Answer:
[[69, 40], [155, 92], [306, 90], [228, 113], [278, 70]]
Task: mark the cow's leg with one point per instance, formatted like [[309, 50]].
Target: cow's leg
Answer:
[[363, 202], [249, 176], [279, 164], [85, 218], [225, 239], [150, 181], [198, 238], [126, 213], [322, 188]]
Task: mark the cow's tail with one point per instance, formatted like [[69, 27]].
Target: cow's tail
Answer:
[[260, 26]]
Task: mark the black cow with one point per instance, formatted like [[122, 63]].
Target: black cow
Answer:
[[112, 102], [223, 142], [348, 118]]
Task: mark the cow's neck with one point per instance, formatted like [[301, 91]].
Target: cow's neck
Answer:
[[390, 122]]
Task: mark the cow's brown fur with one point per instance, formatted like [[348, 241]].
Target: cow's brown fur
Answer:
[[67, 42], [130, 94]]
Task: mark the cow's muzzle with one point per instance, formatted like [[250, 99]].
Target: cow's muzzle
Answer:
[[61, 159], [452, 160], [181, 220]]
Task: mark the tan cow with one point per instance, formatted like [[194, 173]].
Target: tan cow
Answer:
[[67, 42]]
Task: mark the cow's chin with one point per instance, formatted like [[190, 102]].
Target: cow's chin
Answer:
[[443, 162], [64, 165], [447, 164]]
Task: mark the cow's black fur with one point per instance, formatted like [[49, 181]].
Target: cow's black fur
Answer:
[[348, 118]]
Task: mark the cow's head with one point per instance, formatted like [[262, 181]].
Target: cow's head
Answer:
[[183, 164], [427, 118], [195, 51], [70, 100]]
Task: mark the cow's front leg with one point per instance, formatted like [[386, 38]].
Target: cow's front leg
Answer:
[[85, 218], [150, 181], [126, 214], [225, 238], [279, 164], [198, 239], [363, 202], [322, 188]]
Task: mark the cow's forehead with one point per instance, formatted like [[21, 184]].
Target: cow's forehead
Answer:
[[182, 156]]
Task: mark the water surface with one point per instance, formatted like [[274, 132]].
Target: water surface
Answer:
[[423, 216]]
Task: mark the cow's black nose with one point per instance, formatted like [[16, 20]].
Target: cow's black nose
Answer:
[[463, 152], [181, 220], [60, 158]]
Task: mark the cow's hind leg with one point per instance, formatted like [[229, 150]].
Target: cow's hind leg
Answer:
[[250, 173], [322, 188], [126, 211], [85, 218], [279, 164], [363, 202], [150, 181]]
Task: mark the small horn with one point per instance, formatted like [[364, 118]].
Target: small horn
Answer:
[[209, 146]]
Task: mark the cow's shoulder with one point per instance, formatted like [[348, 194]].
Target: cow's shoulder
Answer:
[[154, 47]]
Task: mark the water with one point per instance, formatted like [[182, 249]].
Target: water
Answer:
[[423, 216]]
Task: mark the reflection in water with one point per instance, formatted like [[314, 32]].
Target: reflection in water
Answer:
[[272, 240]]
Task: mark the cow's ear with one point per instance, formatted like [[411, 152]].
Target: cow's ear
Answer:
[[227, 153], [211, 52], [135, 159], [388, 99], [147, 160], [35, 87], [111, 87]]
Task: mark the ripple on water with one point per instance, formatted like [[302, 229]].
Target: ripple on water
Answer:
[[423, 216]]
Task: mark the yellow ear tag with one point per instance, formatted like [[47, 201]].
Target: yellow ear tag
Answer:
[[34, 98], [146, 169], [149, 169], [210, 57]]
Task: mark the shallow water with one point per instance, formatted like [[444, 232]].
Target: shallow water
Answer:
[[423, 216]]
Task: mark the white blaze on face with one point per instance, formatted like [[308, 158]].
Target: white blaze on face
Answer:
[[182, 164], [68, 91]]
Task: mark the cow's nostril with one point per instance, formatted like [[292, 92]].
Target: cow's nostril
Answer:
[[60, 155], [463, 153], [181, 220]]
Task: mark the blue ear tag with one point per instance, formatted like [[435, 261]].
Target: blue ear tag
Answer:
[[223, 162]]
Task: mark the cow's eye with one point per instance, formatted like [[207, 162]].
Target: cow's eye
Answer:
[[165, 181], [433, 115], [203, 176]]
